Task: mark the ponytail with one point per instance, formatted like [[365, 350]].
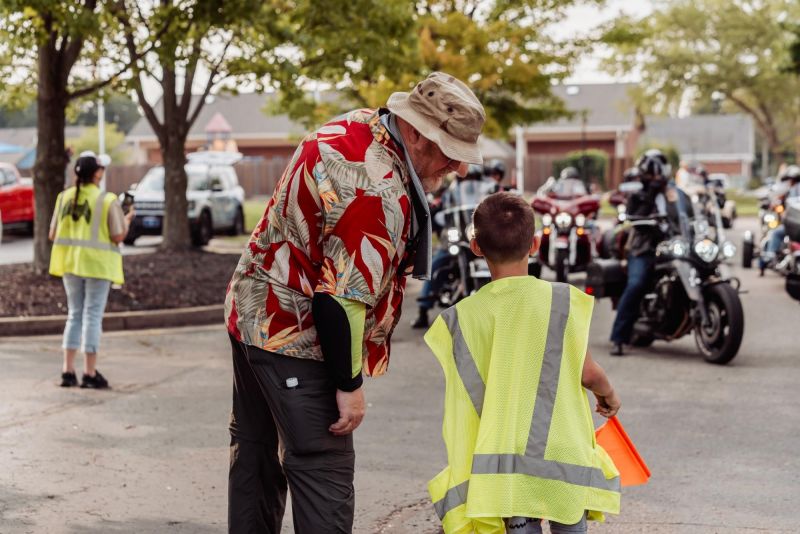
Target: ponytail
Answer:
[[83, 175]]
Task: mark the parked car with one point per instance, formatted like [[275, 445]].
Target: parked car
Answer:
[[16, 199], [216, 200]]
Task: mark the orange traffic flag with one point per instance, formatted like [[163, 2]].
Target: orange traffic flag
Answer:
[[632, 469]]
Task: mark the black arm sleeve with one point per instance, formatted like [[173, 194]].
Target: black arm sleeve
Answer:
[[333, 330]]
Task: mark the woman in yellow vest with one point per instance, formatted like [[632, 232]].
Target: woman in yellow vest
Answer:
[[87, 226], [517, 424]]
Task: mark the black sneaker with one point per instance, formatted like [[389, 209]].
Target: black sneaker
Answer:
[[69, 380], [97, 381], [617, 350]]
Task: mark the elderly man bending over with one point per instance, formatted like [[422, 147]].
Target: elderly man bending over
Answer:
[[318, 291]]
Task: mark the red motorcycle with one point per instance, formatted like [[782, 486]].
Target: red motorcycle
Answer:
[[568, 234]]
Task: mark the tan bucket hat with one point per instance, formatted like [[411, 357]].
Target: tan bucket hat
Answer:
[[444, 110]]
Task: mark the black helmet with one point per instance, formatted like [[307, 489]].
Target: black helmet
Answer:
[[474, 172], [631, 174], [569, 172], [654, 163], [495, 166], [791, 174]]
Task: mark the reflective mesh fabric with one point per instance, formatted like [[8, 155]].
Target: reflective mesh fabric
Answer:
[[516, 350]]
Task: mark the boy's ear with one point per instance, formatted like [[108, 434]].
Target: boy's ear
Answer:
[[473, 246], [535, 244]]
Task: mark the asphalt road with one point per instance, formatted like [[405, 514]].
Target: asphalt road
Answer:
[[150, 456]]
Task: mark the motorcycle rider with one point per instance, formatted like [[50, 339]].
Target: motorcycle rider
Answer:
[[465, 190], [495, 170], [791, 177], [655, 197]]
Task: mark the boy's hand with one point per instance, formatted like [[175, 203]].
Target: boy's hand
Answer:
[[351, 411], [608, 405]]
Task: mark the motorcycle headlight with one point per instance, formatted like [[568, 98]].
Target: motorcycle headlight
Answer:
[[679, 248], [580, 219], [728, 250], [453, 250], [547, 219], [706, 250], [453, 235], [563, 220], [771, 220]]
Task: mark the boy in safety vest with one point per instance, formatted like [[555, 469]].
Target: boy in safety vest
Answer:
[[517, 423]]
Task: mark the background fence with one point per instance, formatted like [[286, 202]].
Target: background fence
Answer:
[[259, 176]]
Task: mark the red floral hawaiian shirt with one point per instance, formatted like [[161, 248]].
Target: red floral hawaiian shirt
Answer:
[[337, 223]]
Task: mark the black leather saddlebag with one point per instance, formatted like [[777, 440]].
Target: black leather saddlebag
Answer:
[[791, 221], [605, 278]]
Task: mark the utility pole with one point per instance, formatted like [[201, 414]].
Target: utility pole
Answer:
[[521, 151], [101, 133]]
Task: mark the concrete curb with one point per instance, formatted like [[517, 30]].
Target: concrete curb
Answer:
[[133, 320]]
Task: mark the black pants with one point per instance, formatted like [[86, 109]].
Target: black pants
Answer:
[[279, 434]]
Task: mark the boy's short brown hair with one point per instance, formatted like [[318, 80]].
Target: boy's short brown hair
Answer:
[[504, 227]]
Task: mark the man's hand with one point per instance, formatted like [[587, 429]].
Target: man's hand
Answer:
[[351, 411], [607, 406]]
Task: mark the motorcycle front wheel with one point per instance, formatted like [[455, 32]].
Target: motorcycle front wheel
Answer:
[[720, 339]]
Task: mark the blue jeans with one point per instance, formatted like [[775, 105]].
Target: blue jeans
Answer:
[[774, 244], [432, 287], [639, 269], [86, 300]]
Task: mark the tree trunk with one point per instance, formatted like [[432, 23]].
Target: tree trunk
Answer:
[[176, 219], [51, 158]]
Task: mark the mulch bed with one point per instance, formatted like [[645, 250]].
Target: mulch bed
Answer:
[[152, 281]]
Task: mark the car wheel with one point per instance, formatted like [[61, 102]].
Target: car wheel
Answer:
[[203, 230], [238, 223]]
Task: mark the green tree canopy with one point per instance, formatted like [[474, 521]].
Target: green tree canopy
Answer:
[[732, 51], [501, 48], [57, 52]]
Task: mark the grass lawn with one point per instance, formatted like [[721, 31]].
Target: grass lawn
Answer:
[[253, 210]]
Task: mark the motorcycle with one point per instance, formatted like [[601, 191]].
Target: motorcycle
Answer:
[[791, 222], [568, 235], [464, 272], [769, 214], [692, 291], [612, 243]]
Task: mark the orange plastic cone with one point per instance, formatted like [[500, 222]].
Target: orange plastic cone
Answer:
[[632, 469]]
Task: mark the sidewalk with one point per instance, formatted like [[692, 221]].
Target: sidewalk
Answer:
[[150, 456]]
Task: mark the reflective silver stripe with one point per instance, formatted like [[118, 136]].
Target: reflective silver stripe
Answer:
[[551, 370], [580, 475], [98, 214], [86, 244], [533, 462], [465, 363], [455, 496], [94, 242]]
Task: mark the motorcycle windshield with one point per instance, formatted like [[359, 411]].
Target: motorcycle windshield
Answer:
[[460, 201]]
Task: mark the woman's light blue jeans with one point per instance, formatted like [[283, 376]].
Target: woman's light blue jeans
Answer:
[[86, 300]]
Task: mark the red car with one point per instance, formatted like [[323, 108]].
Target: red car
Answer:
[[16, 198]]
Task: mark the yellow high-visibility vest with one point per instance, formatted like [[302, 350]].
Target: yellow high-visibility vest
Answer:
[[517, 422], [84, 247]]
